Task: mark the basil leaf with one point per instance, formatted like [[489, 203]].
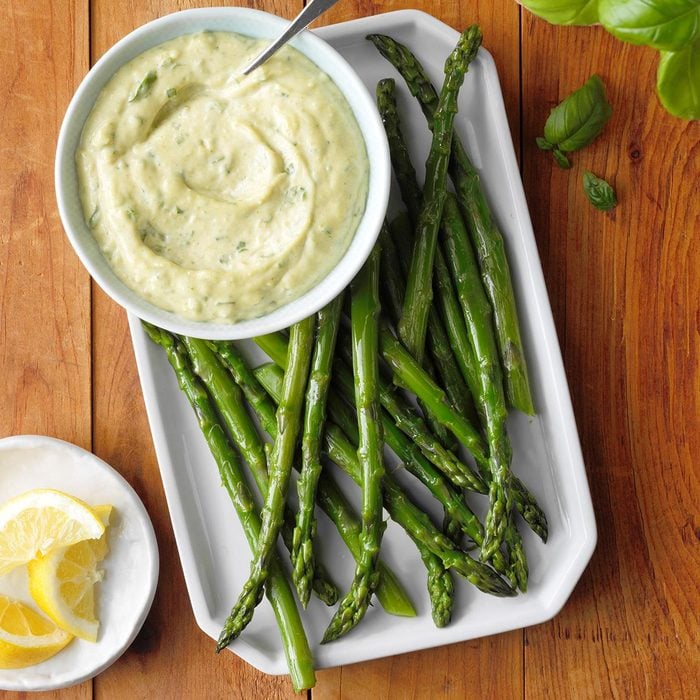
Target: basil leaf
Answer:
[[579, 119], [543, 144], [668, 25], [599, 192], [145, 87], [564, 11], [678, 81]]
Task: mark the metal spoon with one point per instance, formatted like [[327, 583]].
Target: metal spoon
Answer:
[[313, 10]]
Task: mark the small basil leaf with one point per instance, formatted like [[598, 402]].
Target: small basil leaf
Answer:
[[579, 119], [668, 25], [678, 81], [562, 160], [145, 87], [544, 144], [564, 11], [599, 192]]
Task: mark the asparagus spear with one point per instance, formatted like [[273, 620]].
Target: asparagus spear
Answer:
[[396, 411], [288, 425], [491, 399], [452, 229], [487, 238], [414, 319], [275, 345], [390, 593], [303, 559], [452, 501], [393, 287], [229, 402], [365, 316], [441, 591], [444, 292], [296, 647], [441, 587], [398, 504], [439, 347], [411, 424]]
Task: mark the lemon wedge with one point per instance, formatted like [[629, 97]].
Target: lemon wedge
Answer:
[[62, 582], [39, 521], [26, 638]]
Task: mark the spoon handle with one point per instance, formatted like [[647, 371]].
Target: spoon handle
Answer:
[[302, 21]]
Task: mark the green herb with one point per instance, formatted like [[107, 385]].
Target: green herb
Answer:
[[672, 26], [668, 25], [678, 81], [241, 246], [171, 92], [564, 11], [576, 121], [599, 192], [145, 87], [94, 217]]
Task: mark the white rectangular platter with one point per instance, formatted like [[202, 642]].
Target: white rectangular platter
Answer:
[[547, 455]]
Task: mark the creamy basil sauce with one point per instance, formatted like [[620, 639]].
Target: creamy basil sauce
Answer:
[[217, 196]]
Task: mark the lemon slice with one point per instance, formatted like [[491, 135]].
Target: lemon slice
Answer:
[[39, 521], [62, 582], [27, 638]]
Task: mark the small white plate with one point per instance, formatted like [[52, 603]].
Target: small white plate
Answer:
[[125, 595], [546, 450]]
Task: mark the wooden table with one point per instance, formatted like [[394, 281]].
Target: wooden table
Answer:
[[624, 288]]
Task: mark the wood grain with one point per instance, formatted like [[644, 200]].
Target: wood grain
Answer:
[[625, 290], [44, 291]]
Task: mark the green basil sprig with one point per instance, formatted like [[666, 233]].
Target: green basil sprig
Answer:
[[599, 192], [678, 81], [576, 121], [668, 25], [672, 26]]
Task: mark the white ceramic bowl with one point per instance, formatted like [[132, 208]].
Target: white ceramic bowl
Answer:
[[125, 595], [259, 25]]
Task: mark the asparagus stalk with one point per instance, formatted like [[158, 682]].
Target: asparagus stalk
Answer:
[[303, 558], [390, 593], [473, 367], [398, 504], [402, 414], [451, 500], [411, 424], [441, 587], [393, 287], [444, 292], [275, 345], [228, 400], [487, 238], [296, 647], [414, 319], [491, 399], [365, 316], [288, 424], [439, 346]]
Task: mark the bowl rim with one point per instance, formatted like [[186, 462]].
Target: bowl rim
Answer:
[[361, 102]]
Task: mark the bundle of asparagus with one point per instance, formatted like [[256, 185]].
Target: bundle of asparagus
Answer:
[[441, 327]]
